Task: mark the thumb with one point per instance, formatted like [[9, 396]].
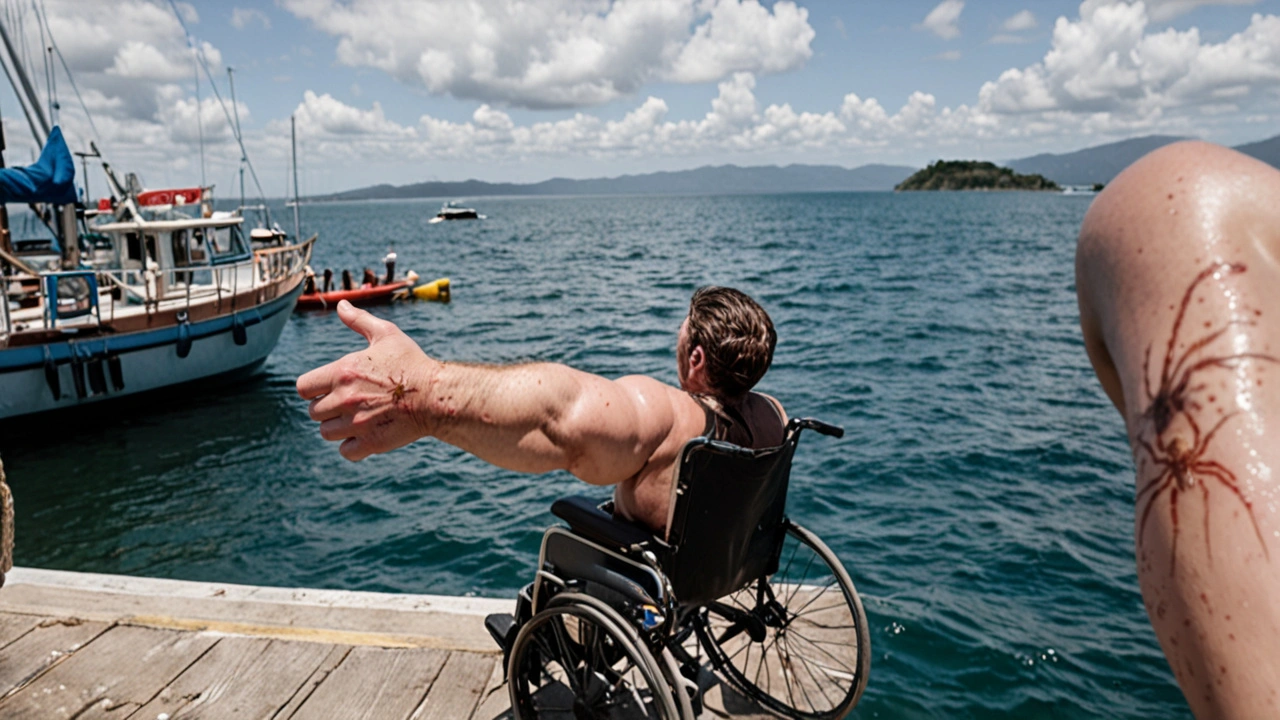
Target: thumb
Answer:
[[362, 322]]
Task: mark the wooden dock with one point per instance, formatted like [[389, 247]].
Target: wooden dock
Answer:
[[84, 646], [100, 646]]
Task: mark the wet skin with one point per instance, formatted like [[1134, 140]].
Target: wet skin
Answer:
[[1179, 290]]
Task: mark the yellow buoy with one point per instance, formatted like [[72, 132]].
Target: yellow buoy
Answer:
[[434, 290]]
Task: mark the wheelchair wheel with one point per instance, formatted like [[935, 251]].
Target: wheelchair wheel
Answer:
[[578, 659], [796, 642]]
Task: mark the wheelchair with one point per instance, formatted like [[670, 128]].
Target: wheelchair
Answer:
[[620, 623]]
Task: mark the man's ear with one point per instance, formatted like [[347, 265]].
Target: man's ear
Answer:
[[697, 358]]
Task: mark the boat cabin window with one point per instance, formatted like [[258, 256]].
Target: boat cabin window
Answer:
[[75, 296], [188, 248], [133, 247], [180, 255], [151, 244], [196, 247], [225, 241]]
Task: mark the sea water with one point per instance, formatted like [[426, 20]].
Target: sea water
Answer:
[[981, 499]]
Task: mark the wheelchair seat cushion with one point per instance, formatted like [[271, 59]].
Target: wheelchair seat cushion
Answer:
[[587, 519]]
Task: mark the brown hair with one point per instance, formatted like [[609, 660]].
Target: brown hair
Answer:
[[737, 336]]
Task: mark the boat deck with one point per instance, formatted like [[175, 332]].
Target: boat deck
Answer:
[[84, 646]]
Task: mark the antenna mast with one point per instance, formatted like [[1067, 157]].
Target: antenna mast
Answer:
[[293, 142], [236, 108]]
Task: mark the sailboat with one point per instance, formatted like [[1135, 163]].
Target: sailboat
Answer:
[[184, 300], [165, 300]]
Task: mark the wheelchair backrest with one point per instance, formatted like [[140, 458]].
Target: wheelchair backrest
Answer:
[[726, 525]]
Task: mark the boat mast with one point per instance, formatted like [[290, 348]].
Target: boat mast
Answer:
[[293, 143], [32, 99], [66, 231], [195, 64], [236, 108]]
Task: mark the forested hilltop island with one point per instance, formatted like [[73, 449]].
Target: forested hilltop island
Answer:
[[973, 175]]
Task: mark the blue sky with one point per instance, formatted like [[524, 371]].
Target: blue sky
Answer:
[[500, 90]]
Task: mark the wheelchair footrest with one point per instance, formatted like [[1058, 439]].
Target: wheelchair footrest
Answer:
[[502, 626]]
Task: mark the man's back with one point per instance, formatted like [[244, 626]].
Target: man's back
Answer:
[[758, 422]]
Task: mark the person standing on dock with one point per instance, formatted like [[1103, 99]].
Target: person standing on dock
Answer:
[[539, 417], [1178, 277]]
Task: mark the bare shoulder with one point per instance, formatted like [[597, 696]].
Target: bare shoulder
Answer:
[[661, 405], [1168, 217], [1164, 196]]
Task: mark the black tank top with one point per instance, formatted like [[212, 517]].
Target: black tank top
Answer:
[[726, 423]]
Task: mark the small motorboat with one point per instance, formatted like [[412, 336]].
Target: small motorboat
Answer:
[[364, 295], [372, 290], [451, 211]]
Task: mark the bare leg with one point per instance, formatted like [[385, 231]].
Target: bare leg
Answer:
[[1179, 285]]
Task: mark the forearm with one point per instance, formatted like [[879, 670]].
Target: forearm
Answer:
[[532, 417]]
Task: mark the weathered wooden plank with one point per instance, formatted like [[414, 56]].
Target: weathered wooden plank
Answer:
[[459, 687], [238, 677], [14, 626], [117, 673], [374, 683], [337, 653], [495, 701], [48, 642]]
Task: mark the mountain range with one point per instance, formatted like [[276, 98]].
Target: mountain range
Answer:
[[1098, 164], [721, 179]]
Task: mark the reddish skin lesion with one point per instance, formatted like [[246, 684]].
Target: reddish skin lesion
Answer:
[[1182, 466], [398, 389]]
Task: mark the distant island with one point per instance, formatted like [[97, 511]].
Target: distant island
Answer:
[[1085, 168], [973, 175]]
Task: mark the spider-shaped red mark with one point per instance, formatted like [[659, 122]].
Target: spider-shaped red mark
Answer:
[[1182, 465]]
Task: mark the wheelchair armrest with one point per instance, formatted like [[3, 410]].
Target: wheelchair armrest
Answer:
[[588, 520]]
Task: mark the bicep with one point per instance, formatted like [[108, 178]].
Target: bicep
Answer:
[[613, 427]]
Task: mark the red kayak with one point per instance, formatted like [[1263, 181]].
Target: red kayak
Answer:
[[363, 295]]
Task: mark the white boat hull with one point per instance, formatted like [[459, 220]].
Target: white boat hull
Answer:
[[147, 360]]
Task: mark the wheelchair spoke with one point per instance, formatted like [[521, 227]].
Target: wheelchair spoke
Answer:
[[576, 658], [818, 683], [848, 670], [805, 691], [565, 655], [800, 610], [795, 586], [813, 655]]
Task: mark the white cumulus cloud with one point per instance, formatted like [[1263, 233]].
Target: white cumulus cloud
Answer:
[[944, 19], [1165, 10], [561, 53], [1107, 62], [1020, 21]]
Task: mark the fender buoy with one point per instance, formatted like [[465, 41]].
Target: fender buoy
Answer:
[[116, 371], [184, 336], [238, 331], [51, 376], [97, 377], [437, 290]]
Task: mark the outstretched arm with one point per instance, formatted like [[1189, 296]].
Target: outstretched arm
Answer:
[[533, 417]]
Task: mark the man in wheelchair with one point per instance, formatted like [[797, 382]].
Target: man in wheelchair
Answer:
[[693, 555]]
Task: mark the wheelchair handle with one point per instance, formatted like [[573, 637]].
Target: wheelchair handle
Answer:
[[829, 430]]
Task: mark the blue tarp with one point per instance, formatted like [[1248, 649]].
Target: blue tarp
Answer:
[[50, 180]]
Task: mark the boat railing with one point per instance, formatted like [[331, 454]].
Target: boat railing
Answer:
[[5, 323], [218, 288], [278, 263]]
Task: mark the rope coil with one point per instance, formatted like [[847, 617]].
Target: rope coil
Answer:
[[6, 526]]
